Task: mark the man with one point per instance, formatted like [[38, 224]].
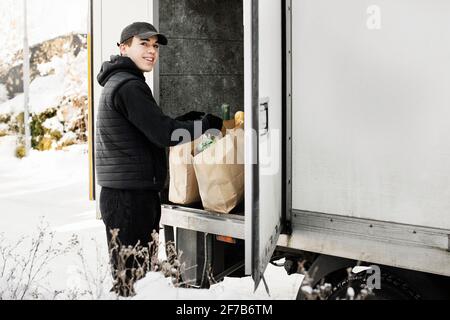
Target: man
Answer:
[[132, 136]]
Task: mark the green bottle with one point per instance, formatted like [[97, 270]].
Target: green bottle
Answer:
[[226, 112], [228, 122]]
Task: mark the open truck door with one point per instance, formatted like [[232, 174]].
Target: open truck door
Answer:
[[263, 52]]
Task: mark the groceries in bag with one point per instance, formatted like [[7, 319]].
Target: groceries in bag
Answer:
[[220, 173], [183, 187], [228, 122], [239, 120], [206, 141]]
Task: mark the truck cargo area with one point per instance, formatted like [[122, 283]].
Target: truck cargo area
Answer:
[[201, 69]]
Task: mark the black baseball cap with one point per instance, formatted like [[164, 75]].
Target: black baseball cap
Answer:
[[142, 30]]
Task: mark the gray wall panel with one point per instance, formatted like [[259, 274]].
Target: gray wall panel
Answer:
[[205, 93], [203, 65], [206, 19], [202, 57]]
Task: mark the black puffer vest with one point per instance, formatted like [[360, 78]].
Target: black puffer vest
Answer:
[[125, 158]]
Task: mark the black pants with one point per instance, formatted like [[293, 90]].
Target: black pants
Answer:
[[135, 213]]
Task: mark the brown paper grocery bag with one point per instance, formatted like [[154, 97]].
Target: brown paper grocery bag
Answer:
[[183, 187], [220, 173]]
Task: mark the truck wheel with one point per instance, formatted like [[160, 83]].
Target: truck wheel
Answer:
[[396, 283], [392, 288]]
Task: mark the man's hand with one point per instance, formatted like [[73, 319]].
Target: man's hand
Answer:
[[191, 116]]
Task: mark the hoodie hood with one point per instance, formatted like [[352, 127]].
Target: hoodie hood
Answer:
[[115, 65]]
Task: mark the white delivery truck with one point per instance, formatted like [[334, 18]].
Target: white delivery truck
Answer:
[[350, 100]]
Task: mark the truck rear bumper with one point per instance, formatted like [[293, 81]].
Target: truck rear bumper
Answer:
[[203, 221], [386, 243]]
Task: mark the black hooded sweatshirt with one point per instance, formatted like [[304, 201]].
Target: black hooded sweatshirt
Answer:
[[132, 131]]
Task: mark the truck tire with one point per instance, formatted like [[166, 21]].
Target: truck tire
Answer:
[[396, 283], [392, 287]]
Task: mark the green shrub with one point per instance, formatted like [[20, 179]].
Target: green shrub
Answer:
[[16, 124], [21, 152], [5, 118], [45, 144], [4, 124], [37, 130], [56, 135]]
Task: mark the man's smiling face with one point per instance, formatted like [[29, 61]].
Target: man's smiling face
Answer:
[[143, 52]]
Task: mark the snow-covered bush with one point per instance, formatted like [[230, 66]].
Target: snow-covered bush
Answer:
[[16, 123], [21, 151], [4, 125], [41, 137], [22, 276], [88, 281], [73, 112], [324, 290], [133, 263], [59, 88], [53, 129], [5, 118], [4, 128], [26, 264], [69, 138]]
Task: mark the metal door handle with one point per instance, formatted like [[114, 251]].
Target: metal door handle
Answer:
[[264, 116]]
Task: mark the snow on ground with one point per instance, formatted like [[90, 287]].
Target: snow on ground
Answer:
[[54, 185], [49, 184], [7, 146]]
